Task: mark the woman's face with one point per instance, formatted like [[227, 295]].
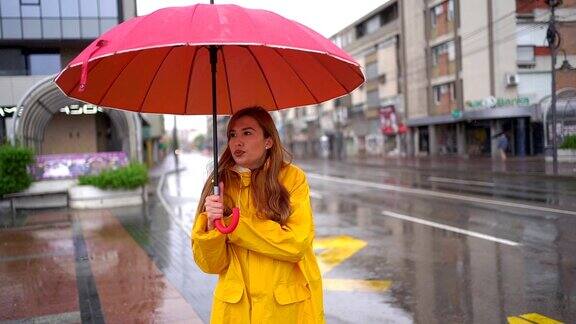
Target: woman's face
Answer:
[[247, 143]]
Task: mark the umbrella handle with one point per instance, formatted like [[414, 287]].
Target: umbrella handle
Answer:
[[84, 71], [233, 222]]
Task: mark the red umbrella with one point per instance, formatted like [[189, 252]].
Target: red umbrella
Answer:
[[209, 59]]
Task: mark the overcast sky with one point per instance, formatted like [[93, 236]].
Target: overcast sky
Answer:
[[324, 16]]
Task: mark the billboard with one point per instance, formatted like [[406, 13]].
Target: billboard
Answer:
[[389, 123], [69, 166]]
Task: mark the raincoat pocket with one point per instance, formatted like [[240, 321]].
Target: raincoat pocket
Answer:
[[229, 291], [291, 293]]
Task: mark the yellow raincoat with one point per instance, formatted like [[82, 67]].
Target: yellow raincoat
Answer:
[[267, 273]]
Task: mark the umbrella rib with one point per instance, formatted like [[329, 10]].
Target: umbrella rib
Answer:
[[329, 72], [263, 75], [117, 77], [297, 75], [154, 78], [227, 81], [189, 77]]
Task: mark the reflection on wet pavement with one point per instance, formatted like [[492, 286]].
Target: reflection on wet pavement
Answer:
[[83, 266], [181, 190], [560, 193], [443, 277], [37, 270], [135, 264]]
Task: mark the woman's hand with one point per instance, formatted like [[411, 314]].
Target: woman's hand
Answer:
[[214, 207]]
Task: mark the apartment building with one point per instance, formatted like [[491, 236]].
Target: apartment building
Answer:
[[478, 68], [367, 121], [37, 39], [445, 77]]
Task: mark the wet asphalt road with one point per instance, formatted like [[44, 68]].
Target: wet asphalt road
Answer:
[[402, 245]]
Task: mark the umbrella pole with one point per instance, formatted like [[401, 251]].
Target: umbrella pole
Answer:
[[222, 228], [213, 60]]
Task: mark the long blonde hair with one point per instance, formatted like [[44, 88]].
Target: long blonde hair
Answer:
[[269, 195]]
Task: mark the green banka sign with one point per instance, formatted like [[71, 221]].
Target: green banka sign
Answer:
[[456, 113], [493, 102]]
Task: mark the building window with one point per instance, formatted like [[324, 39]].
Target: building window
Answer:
[[435, 13], [30, 11], [444, 48], [10, 8], [372, 70], [525, 55], [88, 8], [70, 8], [533, 34], [360, 30], [389, 14], [437, 94], [380, 19], [108, 8], [12, 62], [373, 98], [43, 64], [450, 10], [441, 91], [445, 8], [50, 8], [372, 24]]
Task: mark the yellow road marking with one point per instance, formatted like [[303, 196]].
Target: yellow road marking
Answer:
[[517, 320], [331, 251], [532, 318], [336, 249], [356, 285]]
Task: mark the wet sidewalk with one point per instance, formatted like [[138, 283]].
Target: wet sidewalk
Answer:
[[123, 265], [514, 166], [118, 265]]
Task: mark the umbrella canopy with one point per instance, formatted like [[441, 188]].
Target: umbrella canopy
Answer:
[[209, 59], [160, 63]]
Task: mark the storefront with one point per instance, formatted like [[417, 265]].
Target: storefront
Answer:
[[478, 137], [446, 137], [69, 136], [473, 132]]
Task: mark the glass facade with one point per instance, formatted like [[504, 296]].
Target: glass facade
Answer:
[[43, 64], [56, 19], [16, 61]]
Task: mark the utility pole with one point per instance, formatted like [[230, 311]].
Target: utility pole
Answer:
[[553, 38], [175, 141]]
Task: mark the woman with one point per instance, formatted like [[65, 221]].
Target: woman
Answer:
[[267, 269]]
